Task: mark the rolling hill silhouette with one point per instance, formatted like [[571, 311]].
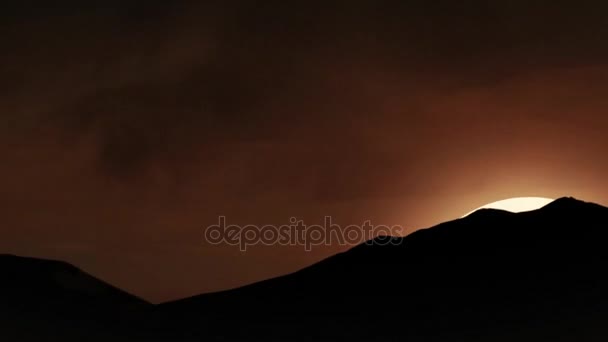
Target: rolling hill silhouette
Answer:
[[47, 300], [491, 276]]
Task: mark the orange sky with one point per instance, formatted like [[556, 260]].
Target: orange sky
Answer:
[[125, 131]]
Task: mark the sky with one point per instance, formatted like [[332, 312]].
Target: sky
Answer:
[[127, 128]]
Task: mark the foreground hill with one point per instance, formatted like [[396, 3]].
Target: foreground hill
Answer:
[[492, 276], [46, 300]]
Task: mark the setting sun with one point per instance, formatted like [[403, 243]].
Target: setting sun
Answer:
[[517, 204]]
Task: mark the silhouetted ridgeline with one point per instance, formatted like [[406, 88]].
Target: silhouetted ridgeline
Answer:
[[492, 276], [45, 300]]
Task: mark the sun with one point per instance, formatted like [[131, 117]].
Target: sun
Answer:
[[517, 204]]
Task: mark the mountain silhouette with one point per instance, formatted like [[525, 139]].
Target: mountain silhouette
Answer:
[[490, 276], [47, 300]]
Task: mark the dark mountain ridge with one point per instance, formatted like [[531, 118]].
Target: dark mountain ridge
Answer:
[[53, 300], [490, 276]]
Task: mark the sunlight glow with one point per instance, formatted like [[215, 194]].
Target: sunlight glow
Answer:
[[516, 204]]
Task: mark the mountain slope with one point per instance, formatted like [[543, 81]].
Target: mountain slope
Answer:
[[44, 300], [493, 275]]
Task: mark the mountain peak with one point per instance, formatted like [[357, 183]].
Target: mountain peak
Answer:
[[55, 279], [564, 203], [567, 199], [19, 263]]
